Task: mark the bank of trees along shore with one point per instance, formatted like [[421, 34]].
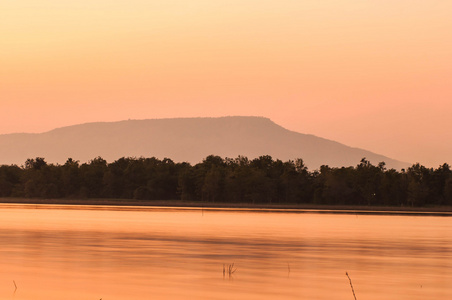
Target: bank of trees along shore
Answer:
[[230, 180]]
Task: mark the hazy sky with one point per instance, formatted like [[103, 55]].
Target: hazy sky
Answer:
[[370, 74]]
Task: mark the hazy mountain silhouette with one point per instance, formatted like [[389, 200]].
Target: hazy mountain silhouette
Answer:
[[182, 139]]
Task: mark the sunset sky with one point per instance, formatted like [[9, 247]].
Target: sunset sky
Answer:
[[370, 74]]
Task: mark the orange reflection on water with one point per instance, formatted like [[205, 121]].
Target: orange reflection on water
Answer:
[[59, 252]]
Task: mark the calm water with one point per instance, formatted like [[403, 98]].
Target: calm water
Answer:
[[61, 252]]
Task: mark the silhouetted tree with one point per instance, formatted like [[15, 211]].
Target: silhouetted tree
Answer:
[[261, 180]]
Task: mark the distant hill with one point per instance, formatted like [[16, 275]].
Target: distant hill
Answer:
[[183, 139]]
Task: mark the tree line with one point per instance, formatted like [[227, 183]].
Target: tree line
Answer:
[[229, 180]]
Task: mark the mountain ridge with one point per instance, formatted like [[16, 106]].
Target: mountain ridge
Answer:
[[183, 139]]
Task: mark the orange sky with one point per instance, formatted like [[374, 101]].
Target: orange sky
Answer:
[[370, 74]]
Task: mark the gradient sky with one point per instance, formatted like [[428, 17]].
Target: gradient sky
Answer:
[[370, 74]]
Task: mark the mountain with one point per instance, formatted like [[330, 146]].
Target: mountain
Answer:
[[182, 139]]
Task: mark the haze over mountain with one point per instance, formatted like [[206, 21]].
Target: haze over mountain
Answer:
[[183, 139]]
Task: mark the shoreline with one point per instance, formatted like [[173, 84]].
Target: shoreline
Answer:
[[445, 210]]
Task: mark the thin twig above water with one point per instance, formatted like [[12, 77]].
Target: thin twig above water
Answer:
[[351, 285]]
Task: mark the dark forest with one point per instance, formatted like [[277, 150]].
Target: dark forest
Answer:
[[263, 180]]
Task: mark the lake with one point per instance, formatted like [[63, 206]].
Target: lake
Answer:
[[94, 252]]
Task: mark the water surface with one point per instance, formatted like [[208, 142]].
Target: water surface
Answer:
[[76, 252]]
